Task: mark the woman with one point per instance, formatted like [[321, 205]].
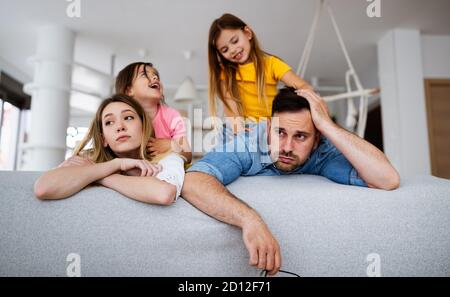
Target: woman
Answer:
[[118, 159]]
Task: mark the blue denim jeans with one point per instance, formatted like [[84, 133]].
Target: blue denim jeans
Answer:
[[247, 154]]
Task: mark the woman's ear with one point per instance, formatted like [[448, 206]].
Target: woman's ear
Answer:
[[248, 32], [104, 143]]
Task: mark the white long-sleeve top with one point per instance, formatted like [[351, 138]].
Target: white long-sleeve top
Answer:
[[172, 171]]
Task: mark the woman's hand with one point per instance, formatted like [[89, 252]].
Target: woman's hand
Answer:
[[158, 146], [137, 167]]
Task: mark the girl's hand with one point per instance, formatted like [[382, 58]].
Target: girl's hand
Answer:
[[158, 146], [76, 161], [136, 167]]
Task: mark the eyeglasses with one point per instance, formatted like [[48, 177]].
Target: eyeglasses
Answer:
[[264, 273]]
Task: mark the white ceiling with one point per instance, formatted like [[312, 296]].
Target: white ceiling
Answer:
[[168, 27]]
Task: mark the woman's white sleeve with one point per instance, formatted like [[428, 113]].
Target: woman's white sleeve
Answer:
[[172, 171]]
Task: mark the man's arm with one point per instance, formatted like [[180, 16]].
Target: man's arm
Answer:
[[370, 163], [207, 194]]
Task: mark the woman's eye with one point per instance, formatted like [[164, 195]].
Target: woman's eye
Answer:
[[129, 118], [107, 123], [234, 41]]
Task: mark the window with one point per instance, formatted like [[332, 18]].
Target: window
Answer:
[[13, 118], [74, 137], [9, 136]]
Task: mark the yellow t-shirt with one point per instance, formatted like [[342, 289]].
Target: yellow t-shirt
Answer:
[[246, 78]]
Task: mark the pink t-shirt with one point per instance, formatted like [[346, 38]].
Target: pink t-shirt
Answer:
[[168, 123]]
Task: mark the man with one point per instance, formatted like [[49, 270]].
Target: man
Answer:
[[300, 138]]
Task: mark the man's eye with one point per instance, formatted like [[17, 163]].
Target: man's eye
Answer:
[[301, 137]]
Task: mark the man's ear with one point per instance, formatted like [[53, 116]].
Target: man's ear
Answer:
[[248, 32], [317, 139]]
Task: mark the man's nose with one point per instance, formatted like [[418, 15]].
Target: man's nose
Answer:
[[287, 145]]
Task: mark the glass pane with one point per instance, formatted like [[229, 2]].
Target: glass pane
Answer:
[[9, 136], [74, 136], [25, 128]]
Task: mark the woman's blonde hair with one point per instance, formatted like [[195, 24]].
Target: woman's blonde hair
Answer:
[[218, 64], [98, 153]]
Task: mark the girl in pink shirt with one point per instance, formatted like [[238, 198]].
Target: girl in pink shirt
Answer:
[[141, 81]]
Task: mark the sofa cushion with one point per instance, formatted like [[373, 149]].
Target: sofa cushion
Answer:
[[324, 229]]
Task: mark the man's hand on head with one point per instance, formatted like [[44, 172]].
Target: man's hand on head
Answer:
[[318, 107]]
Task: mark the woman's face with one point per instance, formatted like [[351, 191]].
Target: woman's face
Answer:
[[146, 87], [122, 129], [234, 45]]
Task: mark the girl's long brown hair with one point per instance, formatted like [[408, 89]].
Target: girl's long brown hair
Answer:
[[126, 76], [217, 64], [98, 153]]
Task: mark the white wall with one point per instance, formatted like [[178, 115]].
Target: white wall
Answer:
[[14, 72], [405, 134], [436, 56]]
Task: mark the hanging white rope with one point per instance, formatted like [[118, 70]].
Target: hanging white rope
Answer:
[[352, 94], [301, 69], [350, 121], [364, 94]]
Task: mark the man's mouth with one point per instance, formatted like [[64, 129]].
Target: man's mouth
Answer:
[[285, 159]]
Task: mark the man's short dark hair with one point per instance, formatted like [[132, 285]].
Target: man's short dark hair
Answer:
[[288, 101]]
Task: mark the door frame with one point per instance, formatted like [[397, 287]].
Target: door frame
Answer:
[[429, 83]]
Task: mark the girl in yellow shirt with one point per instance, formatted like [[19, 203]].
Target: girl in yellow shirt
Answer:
[[241, 74]]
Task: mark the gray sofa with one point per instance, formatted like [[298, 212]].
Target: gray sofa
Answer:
[[324, 229]]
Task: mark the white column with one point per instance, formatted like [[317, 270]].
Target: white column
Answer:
[[50, 103], [405, 133]]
